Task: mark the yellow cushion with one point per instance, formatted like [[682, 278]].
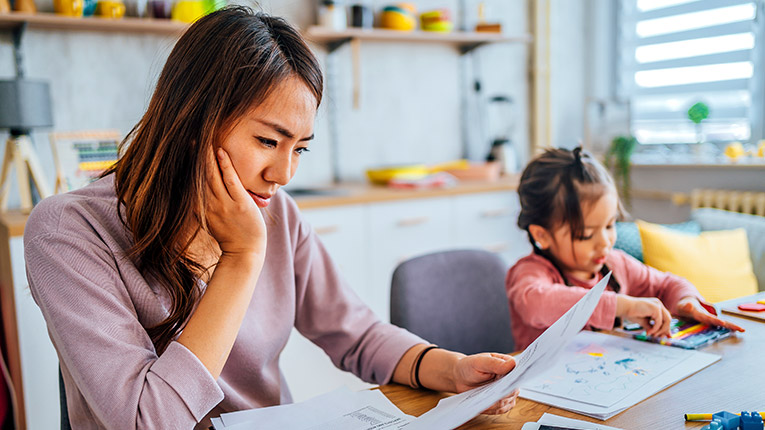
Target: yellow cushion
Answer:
[[716, 262]]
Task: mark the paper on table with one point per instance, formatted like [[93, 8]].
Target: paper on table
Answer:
[[692, 362], [456, 410], [341, 409], [557, 420]]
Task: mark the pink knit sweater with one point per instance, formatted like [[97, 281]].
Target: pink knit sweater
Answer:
[[538, 296], [97, 305]]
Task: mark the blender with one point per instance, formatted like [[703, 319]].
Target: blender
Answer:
[[501, 122]]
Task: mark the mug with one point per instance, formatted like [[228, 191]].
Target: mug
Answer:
[[68, 7], [110, 9], [160, 9], [188, 10], [361, 16], [89, 7]]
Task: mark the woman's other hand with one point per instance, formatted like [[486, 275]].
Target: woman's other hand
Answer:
[[475, 370], [691, 307], [233, 218]]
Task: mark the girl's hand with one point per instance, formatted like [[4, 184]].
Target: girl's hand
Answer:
[[693, 308], [233, 218], [475, 370], [649, 312]]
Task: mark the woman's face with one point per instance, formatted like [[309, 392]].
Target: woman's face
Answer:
[[266, 144]]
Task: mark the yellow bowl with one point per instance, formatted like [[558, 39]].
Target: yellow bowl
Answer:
[[397, 21], [383, 175]]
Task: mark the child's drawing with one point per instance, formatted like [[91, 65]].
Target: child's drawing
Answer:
[[601, 369]]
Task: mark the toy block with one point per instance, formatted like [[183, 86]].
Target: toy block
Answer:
[[728, 420], [751, 421], [714, 425]]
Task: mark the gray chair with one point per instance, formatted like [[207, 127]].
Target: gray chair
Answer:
[[62, 401], [455, 299]]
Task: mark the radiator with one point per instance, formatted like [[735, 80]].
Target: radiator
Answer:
[[748, 202]]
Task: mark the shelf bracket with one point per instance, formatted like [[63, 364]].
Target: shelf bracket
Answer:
[[464, 49], [334, 45], [18, 33]]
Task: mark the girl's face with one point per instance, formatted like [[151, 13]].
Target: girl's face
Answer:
[[583, 257], [265, 145]]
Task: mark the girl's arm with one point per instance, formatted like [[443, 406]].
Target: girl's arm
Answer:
[[443, 370], [538, 297]]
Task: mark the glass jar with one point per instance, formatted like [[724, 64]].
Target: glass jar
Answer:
[[332, 14]]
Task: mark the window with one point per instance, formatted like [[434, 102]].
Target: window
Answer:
[[674, 53]]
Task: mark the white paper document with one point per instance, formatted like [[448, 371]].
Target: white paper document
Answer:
[[456, 410], [601, 375], [568, 423], [341, 409]]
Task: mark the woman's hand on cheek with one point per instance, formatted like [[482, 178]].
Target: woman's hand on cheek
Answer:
[[476, 370], [233, 218], [692, 308]]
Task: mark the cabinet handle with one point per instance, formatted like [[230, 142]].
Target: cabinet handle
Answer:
[[497, 247], [409, 222], [328, 229], [495, 213]]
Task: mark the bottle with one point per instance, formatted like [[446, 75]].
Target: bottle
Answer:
[[332, 15]]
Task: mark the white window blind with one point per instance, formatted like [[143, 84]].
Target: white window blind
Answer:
[[674, 53]]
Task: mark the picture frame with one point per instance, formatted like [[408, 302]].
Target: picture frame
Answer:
[[81, 156]]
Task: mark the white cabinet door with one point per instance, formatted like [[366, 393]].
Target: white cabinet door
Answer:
[[39, 361], [341, 230], [490, 221], [307, 369], [402, 230]]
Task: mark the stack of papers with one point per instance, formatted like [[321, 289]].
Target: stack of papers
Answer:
[[341, 409], [600, 375]]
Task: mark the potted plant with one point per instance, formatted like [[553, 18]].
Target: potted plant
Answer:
[[697, 113], [618, 161]]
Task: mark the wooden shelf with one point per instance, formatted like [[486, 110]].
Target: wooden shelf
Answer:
[[50, 21], [462, 39]]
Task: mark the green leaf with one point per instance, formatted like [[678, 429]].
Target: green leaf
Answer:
[[698, 112]]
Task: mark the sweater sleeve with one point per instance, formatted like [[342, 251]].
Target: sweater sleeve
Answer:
[[333, 317], [539, 297], [102, 345], [645, 281]]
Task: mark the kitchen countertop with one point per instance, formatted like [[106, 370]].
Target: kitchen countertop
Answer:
[[359, 193], [339, 195]]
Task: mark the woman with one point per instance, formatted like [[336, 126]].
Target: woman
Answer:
[[170, 290]]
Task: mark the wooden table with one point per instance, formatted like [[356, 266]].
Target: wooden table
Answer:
[[734, 383]]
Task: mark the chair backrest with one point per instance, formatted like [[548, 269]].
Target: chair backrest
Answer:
[[455, 299], [65, 425]]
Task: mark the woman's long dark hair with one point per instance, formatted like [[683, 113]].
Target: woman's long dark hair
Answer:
[[553, 188], [224, 64]]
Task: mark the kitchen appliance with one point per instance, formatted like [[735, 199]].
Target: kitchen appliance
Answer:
[[501, 126]]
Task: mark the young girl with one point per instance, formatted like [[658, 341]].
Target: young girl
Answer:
[[569, 206], [171, 285]]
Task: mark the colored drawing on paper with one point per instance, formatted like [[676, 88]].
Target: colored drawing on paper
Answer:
[[602, 369]]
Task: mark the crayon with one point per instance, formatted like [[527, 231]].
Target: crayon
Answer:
[[708, 417]]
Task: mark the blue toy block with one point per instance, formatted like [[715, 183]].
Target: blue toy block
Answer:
[[714, 425], [728, 420], [751, 421]]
